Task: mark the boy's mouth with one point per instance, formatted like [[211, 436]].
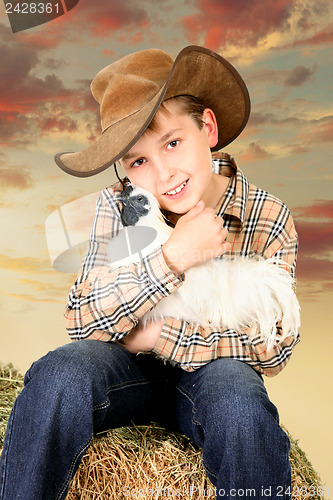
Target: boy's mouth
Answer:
[[177, 190]]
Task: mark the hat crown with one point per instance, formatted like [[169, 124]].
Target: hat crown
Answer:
[[131, 90], [127, 85]]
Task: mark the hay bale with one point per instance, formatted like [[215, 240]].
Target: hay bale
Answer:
[[140, 461], [11, 383], [147, 461]]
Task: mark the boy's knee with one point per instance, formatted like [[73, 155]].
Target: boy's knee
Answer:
[[71, 363], [231, 395]]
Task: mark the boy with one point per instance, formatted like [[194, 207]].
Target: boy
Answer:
[[161, 120]]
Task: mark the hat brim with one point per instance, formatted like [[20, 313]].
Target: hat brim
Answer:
[[197, 71]]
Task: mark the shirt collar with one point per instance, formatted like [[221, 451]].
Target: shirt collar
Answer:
[[233, 202]]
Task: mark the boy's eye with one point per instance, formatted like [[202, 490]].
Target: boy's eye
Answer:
[[138, 162], [173, 144]]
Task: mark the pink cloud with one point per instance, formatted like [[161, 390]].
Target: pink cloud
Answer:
[[325, 36], [314, 263], [315, 242], [31, 105], [104, 17], [314, 269], [245, 23], [239, 21], [316, 238], [58, 124], [319, 209]]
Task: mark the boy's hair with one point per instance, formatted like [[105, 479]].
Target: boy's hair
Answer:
[[188, 104]]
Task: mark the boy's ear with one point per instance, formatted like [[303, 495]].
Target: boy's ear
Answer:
[[210, 125]]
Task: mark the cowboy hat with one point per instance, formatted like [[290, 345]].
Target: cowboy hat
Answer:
[[131, 90]]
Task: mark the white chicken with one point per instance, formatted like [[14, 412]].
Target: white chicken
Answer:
[[232, 293]]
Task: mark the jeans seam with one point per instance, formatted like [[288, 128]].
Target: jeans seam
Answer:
[[196, 422], [102, 406], [185, 393], [129, 383], [208, 469], [70, 475]]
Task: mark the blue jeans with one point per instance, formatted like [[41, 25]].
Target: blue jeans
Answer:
[[89, 386]]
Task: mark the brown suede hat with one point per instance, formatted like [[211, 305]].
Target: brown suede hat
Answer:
[[131, 90]]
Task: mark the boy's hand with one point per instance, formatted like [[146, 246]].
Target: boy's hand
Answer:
[[143, 338], [198, 236]]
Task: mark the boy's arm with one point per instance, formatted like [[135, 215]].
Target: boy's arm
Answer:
[[193, 346], [106, 305]]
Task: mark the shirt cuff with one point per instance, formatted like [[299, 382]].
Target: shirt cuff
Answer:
[[168, 341]]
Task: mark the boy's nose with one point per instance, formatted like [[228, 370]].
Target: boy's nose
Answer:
[[164, 170]]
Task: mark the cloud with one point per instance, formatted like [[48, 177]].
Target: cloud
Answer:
[[254, 152], [289, 78], [300, 124], [315, 270], [300, 75], [34, 106], [324, 36], [58, 124], [243, 22], [14, 176], [243, 30], [318, 210], [316, 239], [315, 231], [31, 298], [257, 118], [27, 265], [319, 132], [104, 17]]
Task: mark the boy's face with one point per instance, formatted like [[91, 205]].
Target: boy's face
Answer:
[[174, 162]]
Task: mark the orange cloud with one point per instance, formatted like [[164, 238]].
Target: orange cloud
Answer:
[[28, 265], [31, 298], [315, 132], [254, 152], [14, 176], [321, 131]]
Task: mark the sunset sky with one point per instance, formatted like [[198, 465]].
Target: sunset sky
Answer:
[[283, 50]]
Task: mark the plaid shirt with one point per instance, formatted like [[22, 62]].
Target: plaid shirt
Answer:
[[106, 305]]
